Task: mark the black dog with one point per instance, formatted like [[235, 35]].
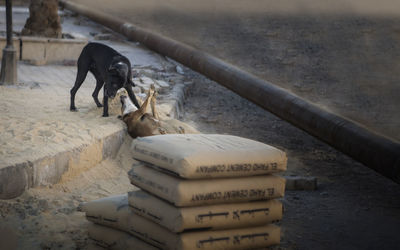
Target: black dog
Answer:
[[110, 69]]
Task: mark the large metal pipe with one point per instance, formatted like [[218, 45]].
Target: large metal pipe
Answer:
[[373, 150]]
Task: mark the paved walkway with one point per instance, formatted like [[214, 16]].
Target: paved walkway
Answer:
[[40, 139]]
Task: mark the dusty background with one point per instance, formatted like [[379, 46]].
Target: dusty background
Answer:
[[343, 55]]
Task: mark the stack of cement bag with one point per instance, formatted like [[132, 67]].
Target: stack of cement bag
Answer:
[[199, 192]]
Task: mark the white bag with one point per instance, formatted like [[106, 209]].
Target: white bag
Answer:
[[196, 156], [188, 193], [223, 216], [115, 239], [115, 212]]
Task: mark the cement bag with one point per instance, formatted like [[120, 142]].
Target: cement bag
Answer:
[[224, 216], [196, 156], [115, 239], [242, 238], [188, 193], [115, 212]]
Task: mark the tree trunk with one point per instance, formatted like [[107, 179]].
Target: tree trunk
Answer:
[[43, 19]]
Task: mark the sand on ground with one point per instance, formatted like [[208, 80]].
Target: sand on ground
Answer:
[[36, 121], [47, 217]]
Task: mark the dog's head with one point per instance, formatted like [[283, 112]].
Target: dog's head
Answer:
[[127, 105], [118, 76]]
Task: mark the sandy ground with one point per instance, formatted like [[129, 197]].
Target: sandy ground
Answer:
[[342, 55], [47, 218], [36, 121], [40, 126]]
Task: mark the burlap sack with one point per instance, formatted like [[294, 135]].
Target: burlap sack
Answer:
[[115, 212], [188, 193], [223, 216], [115, 239], [196, 156]]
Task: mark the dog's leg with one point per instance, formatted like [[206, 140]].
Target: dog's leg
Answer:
[[105, 97], [129, 83], [83, 68], [128, 88], [153, 104], [99, 84], [105, 105], [143, 108]]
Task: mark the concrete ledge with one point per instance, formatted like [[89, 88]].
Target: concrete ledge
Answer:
[[15, 179], [59, 50], [34, 50], [41, 51], [174, 107]]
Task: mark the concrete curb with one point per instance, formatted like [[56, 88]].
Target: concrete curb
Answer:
[[15, 179], [176, 101]]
